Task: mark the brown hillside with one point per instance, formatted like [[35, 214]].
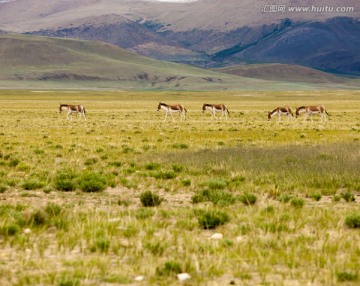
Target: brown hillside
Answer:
[[282, 72]]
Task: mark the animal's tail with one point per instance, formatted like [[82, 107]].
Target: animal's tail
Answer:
[[228, 112], [185, 110], [327, 113]]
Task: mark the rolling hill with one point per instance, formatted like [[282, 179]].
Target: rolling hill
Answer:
[[26, 58], [205, 33], [34, 57], [282, 72], [55, 62]]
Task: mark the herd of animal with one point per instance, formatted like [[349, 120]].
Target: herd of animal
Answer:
[[213, 108]]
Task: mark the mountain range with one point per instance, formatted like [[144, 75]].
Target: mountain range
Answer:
[[323, 35]]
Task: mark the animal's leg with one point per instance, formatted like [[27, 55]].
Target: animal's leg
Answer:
[[172, 116], [183, 115], [214, 114], [225, 114], [222, 115]]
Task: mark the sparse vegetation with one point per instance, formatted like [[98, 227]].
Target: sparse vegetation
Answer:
[[77, 197]]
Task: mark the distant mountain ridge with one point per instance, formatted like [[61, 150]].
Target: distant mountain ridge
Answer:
[[205, 33]]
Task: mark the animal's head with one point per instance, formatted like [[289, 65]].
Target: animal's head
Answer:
[[61, 107], [269, 115], [204, 107], [159, 106], [297, 112]]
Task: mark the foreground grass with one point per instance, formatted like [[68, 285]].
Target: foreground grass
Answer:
[[71, 214]]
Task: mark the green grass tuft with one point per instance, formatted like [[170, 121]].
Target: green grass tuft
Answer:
[[91, 182], [150, 199], [353, 220], [210, 219]]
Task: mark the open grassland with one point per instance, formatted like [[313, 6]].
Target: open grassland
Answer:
[[284, 195]]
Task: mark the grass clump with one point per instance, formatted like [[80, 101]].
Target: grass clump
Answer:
[[3, 188], [91, 182], [284, 198], [248, 199], [297, 202], [152, 166], [315, 196], [102, 244], [169, 268], [32, 184], [68, 279], [144, 213], [348, 197], [216, 184], [65, 180], [38, 218], [53, 209], [344, 276], [210, 219], [149, 199], [217, 197], [164, 175], [9, 229], [353, 220]]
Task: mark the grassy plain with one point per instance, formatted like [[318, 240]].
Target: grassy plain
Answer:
[[304, 177]]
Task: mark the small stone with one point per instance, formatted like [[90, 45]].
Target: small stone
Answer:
[[183, 276], [27, 231], [139, 278], [115, 219], [217, 236]]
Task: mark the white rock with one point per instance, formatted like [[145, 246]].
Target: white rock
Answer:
[[239, 239], [139, 278], [115, 219], [183, 276], [27, 230], [217, 236]]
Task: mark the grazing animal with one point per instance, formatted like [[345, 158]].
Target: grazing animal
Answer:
[[80, 109], [173, 109], [281, 111], [311, 110], [213, 108]]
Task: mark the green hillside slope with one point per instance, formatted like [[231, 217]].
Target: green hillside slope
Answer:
[[34, 61], [44, 58]]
